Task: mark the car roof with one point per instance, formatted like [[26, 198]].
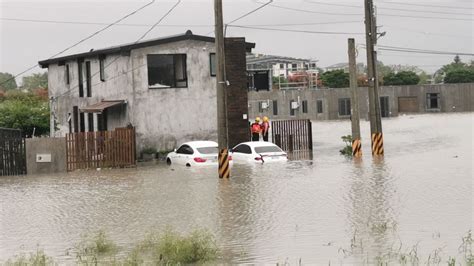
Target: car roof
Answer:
[[254, 144], [201, 143]]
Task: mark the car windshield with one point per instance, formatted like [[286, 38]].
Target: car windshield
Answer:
[[267, 149], [207, 150]]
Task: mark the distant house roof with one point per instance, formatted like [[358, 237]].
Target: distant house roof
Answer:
[[274, 59], [126, 48]]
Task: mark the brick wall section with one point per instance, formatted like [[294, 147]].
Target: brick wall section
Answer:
[[237, 97]]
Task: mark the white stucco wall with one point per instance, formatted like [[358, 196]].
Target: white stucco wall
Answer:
[[163, 117]]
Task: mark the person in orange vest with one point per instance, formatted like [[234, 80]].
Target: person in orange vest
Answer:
[[265, 127], [256, 129]]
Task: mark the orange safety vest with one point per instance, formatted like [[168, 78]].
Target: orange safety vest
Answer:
[[256, 128]]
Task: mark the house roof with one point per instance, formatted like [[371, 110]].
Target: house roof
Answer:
[[126, 48]]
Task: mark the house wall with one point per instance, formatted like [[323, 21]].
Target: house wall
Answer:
[[453, 98], [56, 147]]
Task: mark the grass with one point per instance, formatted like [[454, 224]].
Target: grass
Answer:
[[347, 150], [38, 258]]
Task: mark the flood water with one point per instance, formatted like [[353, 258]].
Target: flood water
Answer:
[[326, 210]]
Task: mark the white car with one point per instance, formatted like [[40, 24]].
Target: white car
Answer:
[[259, 152], [194, 153]]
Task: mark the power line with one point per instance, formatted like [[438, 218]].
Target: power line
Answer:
[[415, 50], [388, 8], [298, 31], [427, 32], [117, 57], [421, 5], [249, 13], [84, 39]]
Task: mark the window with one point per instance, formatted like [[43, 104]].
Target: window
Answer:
[[90, 122], [305, 106], [313, 65], [67, 75], [275, 107], [319, 106], [185, 149], [294, 67], [344, 107], [208, 150], [88, 79], [82, 121], [264, 149], [213, 67], [167, 71], [80, 78], [292, 110], [242, 149], [282, 66], [432, 101], [102, 67], [75, 116]]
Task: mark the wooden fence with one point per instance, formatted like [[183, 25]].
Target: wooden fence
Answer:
[[12, 152], [293, 135], [101, 149]]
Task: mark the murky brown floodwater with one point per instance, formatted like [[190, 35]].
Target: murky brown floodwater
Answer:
[[327, 210]]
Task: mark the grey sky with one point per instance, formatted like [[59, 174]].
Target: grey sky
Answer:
[[22, 44]]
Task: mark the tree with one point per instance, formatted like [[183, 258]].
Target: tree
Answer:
[[24, 111], [459, 76], [401, 78], [35, 81], [455, 66], [424, 78], [7, 81], [335, 79]]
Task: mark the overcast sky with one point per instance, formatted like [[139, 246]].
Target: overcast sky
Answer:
[[444, 25]]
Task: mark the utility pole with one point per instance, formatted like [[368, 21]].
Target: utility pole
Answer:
[[356, 142], [222, 136], [374, 100]]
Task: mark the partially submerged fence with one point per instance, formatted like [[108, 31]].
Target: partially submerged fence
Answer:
[[293, 135], [12, 152], [101, 149]]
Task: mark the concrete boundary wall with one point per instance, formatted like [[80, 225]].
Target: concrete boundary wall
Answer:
[[452, 98], [45, 155]]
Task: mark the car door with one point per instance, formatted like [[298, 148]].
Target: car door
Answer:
[[183, 154], [241, 152]]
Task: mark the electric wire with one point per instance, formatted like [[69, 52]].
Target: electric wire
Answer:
[[421, 5], [84, 39], [298, 31], [159, 21], [415, 50]]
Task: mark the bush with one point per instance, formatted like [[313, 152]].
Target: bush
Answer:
[[347, 150], [149, 151], [401, 78], [335, 79], [34, 259], [459, 76]]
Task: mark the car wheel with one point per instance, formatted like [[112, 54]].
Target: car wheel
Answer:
[[168, 161]]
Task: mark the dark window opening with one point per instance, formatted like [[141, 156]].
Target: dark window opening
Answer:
[[319, 106], [185, 149], [82, 122], [345, 107], [212, 65], [88, 79], [90, 122], [282, 66], [294, 67], [80, 78], [75, 117], [102, 68], [102, 121], [305, 106], [242, 149], [432, 101], [67, 75], [292, 110], [167, 71], [275, 107]]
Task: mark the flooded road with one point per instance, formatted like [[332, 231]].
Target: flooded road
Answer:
[[327, 210]]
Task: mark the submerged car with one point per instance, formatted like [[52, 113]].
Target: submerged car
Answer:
[[194, 153], [258, 151]]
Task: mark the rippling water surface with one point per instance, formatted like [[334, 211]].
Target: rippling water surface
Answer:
[[329, 209]]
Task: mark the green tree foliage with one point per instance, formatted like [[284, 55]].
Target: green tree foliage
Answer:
[[459, 76], [401, 78], [7, 82], [35, 81], [25, 111], [459, 68], [335, 79]]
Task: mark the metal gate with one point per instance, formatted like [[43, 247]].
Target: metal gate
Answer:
[[408, 104], [293, 135], [12, 152], [101, 149]]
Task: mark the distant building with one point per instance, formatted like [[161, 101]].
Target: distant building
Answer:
[[283, 72], [165, 88], [345, 67]]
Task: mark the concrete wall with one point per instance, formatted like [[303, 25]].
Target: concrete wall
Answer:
[[56, 147], [453, 98]]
